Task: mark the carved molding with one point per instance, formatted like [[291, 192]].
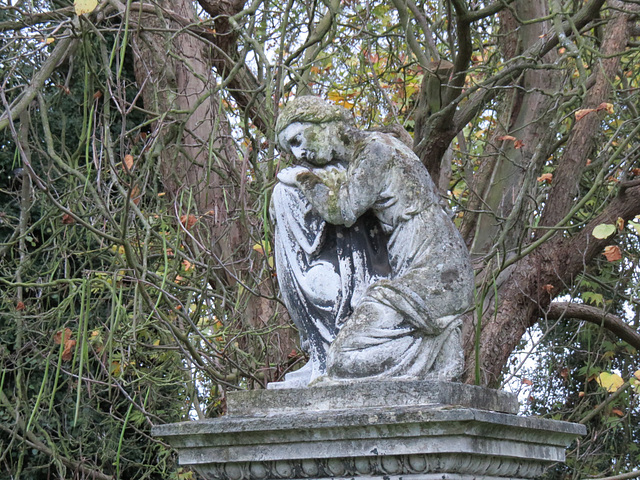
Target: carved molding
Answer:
[[391, 465]]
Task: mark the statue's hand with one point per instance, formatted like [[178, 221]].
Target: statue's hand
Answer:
[[308, 179], [288, 175]]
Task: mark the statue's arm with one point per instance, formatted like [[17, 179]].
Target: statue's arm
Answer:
[[340, 200], [324, 196]]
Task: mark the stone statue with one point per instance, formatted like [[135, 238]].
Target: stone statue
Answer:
[[394, 319]]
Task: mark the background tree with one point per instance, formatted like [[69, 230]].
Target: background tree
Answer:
[[136, 163]]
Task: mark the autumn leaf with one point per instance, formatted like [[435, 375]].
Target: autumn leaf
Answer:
[[68, 219], [612, 252], [608, 107], [618, 412], [620, 224], [610, 381], [545, 177], [580, 114], [97, 95], [507, 137], [187, 265], [135, 195], [548, 288], [67, 353], [526, 381], [188, 221], [64, 337], [127, 163], [82, 7], [338, 99], [60, 336], [49, 40], [518, 144]]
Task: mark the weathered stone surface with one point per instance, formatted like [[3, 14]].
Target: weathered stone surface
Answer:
[[388, 394], [418, 439], [407, 323]]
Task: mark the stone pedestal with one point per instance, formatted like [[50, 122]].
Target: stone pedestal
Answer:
[[385, 430]]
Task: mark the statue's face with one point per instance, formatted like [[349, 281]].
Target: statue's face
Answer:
[[317, 144]]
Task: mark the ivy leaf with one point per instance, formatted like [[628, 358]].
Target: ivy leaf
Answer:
[[593, 298], [604, 230]]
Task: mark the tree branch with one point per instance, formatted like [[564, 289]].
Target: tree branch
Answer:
[[588, 313], [36, 18], [622, 476], [63, 49]]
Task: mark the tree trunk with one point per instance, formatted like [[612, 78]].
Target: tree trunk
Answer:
[[528, 286], [202, 171]]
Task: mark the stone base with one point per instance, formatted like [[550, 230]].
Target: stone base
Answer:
[[367, 430]]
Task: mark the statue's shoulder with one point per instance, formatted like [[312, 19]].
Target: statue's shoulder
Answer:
[[377, 145], [384, 147]]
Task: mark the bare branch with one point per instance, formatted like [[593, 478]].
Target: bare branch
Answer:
[[588, 313], [36, 18], [63, 49]]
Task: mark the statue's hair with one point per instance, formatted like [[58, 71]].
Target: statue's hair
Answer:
[[311, 109]]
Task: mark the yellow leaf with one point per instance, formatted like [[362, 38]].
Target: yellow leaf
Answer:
[[610, 381], [338, 99], [117, 249], [258, 248], [637, 374], [50, 40], [83, 7], [115, 368]]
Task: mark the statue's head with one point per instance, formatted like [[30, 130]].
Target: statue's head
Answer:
[[313, 130]]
